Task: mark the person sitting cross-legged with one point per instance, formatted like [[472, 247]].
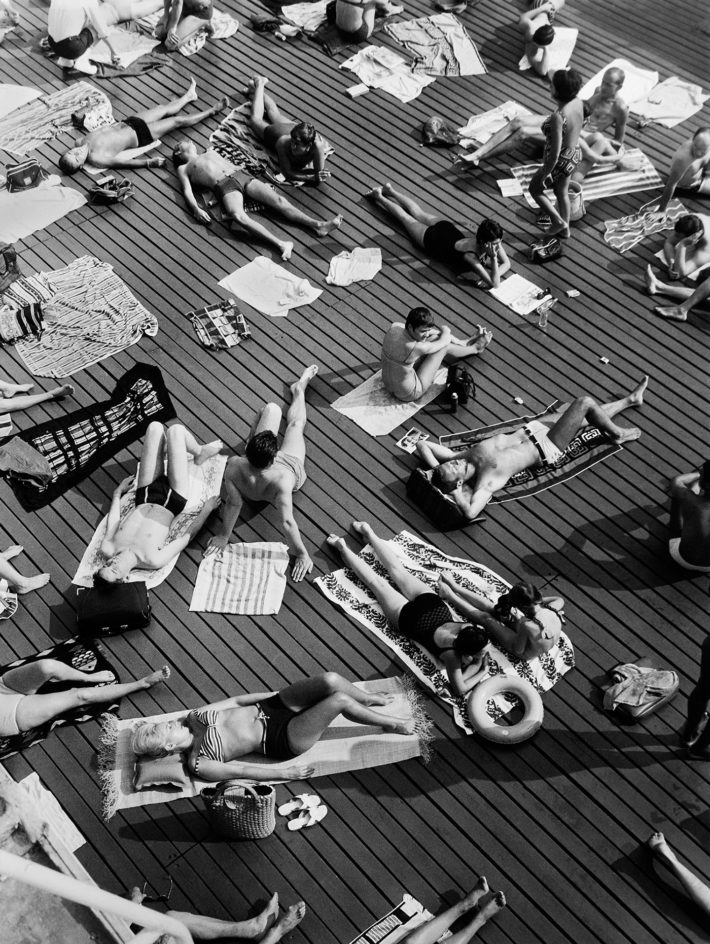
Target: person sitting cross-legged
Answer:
[[182, 19]]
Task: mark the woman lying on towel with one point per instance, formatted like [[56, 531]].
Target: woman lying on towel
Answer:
[[522, 622], [279, 726], [417, 613]]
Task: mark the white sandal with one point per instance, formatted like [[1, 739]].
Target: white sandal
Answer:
[[309, 817], [301, 802]]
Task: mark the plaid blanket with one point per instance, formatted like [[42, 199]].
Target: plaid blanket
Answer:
[[80, 442]]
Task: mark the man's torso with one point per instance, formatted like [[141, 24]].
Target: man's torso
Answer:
[[105, 143], [144, 531], [500, 457], [258, 484], [601, 112], [209, 169]]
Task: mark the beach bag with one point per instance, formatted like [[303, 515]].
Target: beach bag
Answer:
[[19, 323], [545, 250], [436, 132], [109, 190], [634, 690], [25, 175], [106, 612], [239, 810], [459, 382], [576, 201]]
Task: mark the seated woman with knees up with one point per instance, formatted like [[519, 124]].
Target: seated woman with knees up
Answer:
[[686, 249]]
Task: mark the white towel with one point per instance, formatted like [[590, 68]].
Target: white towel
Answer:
[[15, 96], [360, 265], [22, 214], [559, 52], [637, 84], [269, 287], [308, 16], [129, 46], [671, 102], [693, 277], [246, 579], [480, 128], [377, 411], [383, 68]]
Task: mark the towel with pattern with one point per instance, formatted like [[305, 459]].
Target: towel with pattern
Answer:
[[480, 128], [90, 315], [78, 443], [29, 211], [440, 45], [223, 26], [628, 231], [401, 920], [604, 180], [376, 411], [205, 483], [345, 746], [43, 119], [427, 563], [79, 654], [245, 579]]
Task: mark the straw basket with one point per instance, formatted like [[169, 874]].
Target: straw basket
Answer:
[[239, 810]]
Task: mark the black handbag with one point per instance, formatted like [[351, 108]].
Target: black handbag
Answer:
[[545, 250], [460, 386], [25, 175], [109, 190], [106, 612]]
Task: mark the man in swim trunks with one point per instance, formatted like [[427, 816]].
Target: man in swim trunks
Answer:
[[689, 541], [103, 147], [474, 475], [230, 186], [689, 174], [161, 495], [267, 473], [182, 19], [356, 18]]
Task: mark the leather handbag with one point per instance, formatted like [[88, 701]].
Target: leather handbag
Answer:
[[239, 810], [545, 250], [461, 382], [110, 190], [106, 612], [25, 175]]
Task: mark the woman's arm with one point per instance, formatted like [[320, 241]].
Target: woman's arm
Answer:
[[554, 146], [461, 680], [214, 771], [421, 348], [283, 155]]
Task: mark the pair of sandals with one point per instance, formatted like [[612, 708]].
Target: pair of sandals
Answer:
[[308, 808]]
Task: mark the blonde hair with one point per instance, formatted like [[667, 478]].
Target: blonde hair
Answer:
[[150, 738]]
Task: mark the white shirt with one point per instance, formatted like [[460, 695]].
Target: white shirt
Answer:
[[69, 17]]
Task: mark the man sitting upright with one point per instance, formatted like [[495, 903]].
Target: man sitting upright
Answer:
[[689, 541], [472, 476]]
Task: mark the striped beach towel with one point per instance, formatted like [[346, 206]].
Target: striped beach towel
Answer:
[[244, 579], [45, 118], [603, 181], [628, 231]]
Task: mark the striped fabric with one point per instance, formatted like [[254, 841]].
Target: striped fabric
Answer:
[[628, 231], [16, 323], [603, 180], [242, 579], [47, 117]]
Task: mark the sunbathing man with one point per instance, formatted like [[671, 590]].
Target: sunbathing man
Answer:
[[182, 19], [267, 473], [103, 147], [73, 26], [689, 174], [474, 475], [689, 528], [536, 26], [296, 144], [413, 352], [687, 250], [355, 19], [161, 495], [688, 297], [230, 186]]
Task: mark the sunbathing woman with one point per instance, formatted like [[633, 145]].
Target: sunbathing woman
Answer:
[[355, 19], [522, 622], [480, 260], [417, 613], [539, 34], [280, 726], [413, 352], [476, 916], [22, 709]]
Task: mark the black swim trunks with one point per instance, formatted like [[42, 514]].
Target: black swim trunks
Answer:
[[72, 47], [237, 182], [159, 492], [141, 129], [275, 717]]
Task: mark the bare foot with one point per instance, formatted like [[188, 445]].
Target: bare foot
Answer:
[[675, 313], [12, 551], [305, 378], [562, 232], [636, 396], [336, 541], [286, 250], [400, 725], [221, 105], [481, 342], [191, 93], [491, 908], [60, 392], [98, 677], [293, 917], [208, 450], [262, 922], [322, 229], [384, 698], [10, 389], [627, 434], [137, 896], [29, 584], [374, 193], [160, 676], [387, 188], [362, 529], [651, 281], [477, 892]]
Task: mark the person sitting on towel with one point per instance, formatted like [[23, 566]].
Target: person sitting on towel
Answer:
[[161, 495], [689, 541], [536, 26], [413, 352], [686, 249], [231, 186], [279, 726], [417, 613], [73, 26], [481, 259], [687, 297], [103, 147], [522, 621], [472, 476], [467, 915], [355, 19], [689, 175], [182, 19], [267, 473]]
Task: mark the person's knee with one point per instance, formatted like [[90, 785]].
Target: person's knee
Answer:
[[49, 668], [338, 702], [332, 682], [585, 403], [155, 429], [175, 433]]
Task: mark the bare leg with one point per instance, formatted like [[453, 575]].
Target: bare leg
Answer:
[[17, 581], [691, 299], [29, 678], [537, 192], [582, 410], [268, 418], [233, 205], [165, 125], [311, 691], [152, 463], [696, 889], [413, 227], [294, 442], [171, 108], [516, 132], [390, 600], [612, 409], [410, 205], [409, 585], [266, 195], [179, 442], [489, 910], [204, 928], [122, 11], [264, 110], [12, 402], [430, 932], [8, 389], [285, 924], [561, 189]]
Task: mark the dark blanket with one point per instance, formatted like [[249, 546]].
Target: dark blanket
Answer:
[[82, 655], [78, 443]]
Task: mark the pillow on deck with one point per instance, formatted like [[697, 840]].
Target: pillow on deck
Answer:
[[168, 771], [441, 508]]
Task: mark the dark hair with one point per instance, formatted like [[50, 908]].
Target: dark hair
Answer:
[[470, 639], [488, 231], [261, 449], [438, 481], [102, 584], [688, 225], [543, 35], [567, 84], [304, 131], [66, 164], [419, 318], [521, 595], [179, 157]]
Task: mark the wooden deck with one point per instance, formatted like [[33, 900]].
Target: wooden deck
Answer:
[[559, 822]]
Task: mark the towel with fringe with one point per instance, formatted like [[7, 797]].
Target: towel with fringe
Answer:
[[345, 746], [377, 411]]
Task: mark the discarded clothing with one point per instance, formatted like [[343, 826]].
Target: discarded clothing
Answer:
[[481, 127], [440, 45], [269, 287], [245, 579], [628, 231], [17, 323], [559, 51], [129, 46], [385, 69], [308, 16], [671, 102], [223, 26], [377, 411], [29, 211], [24, 461], [360, 265], [637, 84]]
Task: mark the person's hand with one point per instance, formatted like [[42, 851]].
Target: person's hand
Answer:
[[116, 61], [156, 162], [215, 545], [125, 485], [212, 504], [202, 216], [445, 333], [171, 40], [301, 566]]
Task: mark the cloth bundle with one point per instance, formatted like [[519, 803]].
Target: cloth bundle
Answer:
[[18, 323], [359, 265], [628, 231], [383, 68], [671, 102], [440, 45], [269, 287]]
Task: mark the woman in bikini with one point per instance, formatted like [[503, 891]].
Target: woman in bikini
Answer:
[[279, 726], [562, 153], [417, 613]]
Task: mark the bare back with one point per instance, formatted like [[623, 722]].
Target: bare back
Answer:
[[695, 532], [259, 484]]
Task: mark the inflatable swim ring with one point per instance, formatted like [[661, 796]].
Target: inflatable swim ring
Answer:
[[483, 724]]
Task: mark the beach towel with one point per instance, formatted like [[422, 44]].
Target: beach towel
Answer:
[[671, 102], [90, 315], [440, 45], [345, 746], [245, 579], [604, 180], [628, 231], [637, 84], [376, 411], [80, 654], [223, 26], [205, 483], [427, 563], [8, 601], [79, 442], [590, 446], [15, 96], [309, 16], [269, 287], [559, 52], [48, 116], [480, 128], [29, 211], [383, 68], [129, 46], [403, 918], [359, 265]]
